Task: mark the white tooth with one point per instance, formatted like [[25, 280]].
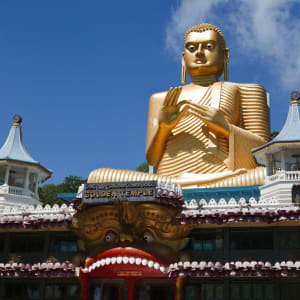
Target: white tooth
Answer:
[[102, 261], [90, 268], [144, 262], [98, 264], [162, 269], [125, 260], [138, 261], [156, 266], [119, 259], [150, 264], [107, 261], [85, 270], [131, 260], [113, 260]]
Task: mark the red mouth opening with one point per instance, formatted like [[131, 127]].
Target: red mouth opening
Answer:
[[125, 262]]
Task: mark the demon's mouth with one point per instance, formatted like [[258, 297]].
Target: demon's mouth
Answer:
[[125, 256]]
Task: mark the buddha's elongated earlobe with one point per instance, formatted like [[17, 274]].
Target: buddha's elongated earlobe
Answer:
[[226, 69], [226, 64], [183, 70]]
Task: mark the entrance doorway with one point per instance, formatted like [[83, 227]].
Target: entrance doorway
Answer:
[[142, 289]]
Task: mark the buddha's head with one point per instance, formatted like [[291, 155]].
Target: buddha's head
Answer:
[[205, 51]]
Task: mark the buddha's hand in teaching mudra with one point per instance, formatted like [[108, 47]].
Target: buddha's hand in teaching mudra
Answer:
[[172, 111], [211, 116]]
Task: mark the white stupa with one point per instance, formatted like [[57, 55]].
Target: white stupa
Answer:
[[20, 174]]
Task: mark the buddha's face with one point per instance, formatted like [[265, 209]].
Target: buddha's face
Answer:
[[203, 54]]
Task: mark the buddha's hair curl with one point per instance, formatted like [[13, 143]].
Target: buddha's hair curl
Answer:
[[204, 27]]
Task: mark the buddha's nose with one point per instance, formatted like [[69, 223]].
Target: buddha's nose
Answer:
[[199, 51]]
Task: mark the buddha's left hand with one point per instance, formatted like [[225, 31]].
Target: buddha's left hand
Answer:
[[213, 118]]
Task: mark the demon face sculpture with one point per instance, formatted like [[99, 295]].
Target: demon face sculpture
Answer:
[[150, 227]]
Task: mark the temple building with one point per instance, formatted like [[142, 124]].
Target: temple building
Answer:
[[20, 174], [281, 158], [219, 220], [36, 245], [234, 243]]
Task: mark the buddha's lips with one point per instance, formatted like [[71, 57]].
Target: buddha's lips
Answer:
[[123, 256], [200, 61]]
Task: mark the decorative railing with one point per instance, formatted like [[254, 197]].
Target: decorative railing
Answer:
[[36, 216], [38, 210], [284, 176], [235, 269], [211, 203], [18, 191], [294, 175], [235, 215], [44, 269]]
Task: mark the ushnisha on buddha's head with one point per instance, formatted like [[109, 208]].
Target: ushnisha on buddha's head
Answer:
[[205, 52]]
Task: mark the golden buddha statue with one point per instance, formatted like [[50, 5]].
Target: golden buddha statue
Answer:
[[202, 133]]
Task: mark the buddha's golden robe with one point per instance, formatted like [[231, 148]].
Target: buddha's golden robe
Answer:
[[193, 149]]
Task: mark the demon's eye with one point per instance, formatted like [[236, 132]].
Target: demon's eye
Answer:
[[110, 236], [147, 236]]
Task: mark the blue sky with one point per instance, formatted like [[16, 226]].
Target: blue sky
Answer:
[[81, 72]]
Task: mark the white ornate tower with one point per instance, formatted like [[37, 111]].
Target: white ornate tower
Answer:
[[20, 174], [281, 156]]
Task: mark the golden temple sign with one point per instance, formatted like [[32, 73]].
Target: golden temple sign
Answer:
[[119, 191]]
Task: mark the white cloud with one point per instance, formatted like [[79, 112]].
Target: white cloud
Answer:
[[266, 28], [189, 13]]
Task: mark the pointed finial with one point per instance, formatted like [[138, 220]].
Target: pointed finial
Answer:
[[17, 120], [295, 97]]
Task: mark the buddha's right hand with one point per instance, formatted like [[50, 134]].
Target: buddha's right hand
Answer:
[[170, 113]]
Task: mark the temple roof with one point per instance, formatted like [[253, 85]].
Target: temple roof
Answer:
[[290, 133], [14, 148], [233, 269], [31, 217]]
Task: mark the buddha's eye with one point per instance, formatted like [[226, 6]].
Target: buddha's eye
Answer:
[[147, 236], [110, 236], [191, 48], [209, 46]]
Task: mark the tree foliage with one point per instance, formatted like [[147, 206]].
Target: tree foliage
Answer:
[[143, 167], [48, 192], [273, 135]]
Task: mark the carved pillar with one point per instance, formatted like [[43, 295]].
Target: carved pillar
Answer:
[[269, 165], [36, 184], [26, 179], [283, 167], [6, 175]]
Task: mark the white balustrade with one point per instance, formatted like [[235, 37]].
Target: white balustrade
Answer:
[[16, 191], [292, 175], [39, 210], [284, 176]]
